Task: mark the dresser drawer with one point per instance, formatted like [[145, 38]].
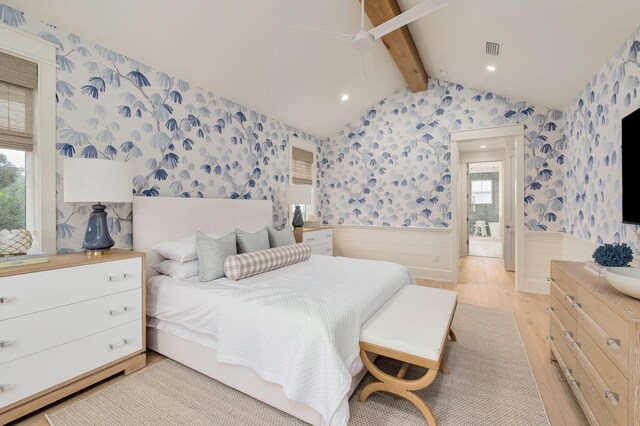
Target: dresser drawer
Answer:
[[29, 375], [560, 342], [564, 289], [592, 396], [28, 293], [612, 385], [559, 310], [606, 328], [324, 249], [316, 238], [27, 334]]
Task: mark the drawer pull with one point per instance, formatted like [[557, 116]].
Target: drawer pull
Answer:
[[573, 382], [613, 397], [329, 235], [5, 300], [113, 346], [549, 337], [118, 277], [569, 335], [5, 343], [575, 344], [4, 388], [551, 280], [328, 250], [550, 308], [613, 343], [122, 310], [310, 239]]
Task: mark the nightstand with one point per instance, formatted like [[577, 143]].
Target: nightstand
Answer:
[[319, 239], [67, 324]]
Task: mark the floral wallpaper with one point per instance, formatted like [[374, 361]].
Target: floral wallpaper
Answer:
[[594, 136], [391, 167], [183, 141]]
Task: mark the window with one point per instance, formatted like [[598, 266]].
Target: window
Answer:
[[18, 79], [481, 192]]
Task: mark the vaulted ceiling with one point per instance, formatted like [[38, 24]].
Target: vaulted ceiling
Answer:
[[239, 50]]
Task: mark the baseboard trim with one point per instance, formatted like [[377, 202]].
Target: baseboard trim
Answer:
[[431, 274]]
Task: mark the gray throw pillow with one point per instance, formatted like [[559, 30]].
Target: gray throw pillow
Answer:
[[211, 255], [252, 241], [284, 237]]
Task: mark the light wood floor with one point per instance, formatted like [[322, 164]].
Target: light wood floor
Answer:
[[483, 281]]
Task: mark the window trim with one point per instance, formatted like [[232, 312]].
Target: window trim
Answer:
[[43, 159]]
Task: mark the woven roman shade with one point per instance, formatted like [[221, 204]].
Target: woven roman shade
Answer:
[[18, 78], [301, 167]]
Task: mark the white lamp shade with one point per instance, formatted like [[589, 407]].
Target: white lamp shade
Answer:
[[298, 194], [94, 180]]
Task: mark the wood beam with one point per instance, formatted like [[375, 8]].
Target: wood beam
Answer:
[[399, 43]]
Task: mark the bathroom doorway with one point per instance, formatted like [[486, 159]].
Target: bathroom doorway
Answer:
[[484, 207]]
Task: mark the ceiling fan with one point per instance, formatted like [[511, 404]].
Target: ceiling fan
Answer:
[[363, 41]]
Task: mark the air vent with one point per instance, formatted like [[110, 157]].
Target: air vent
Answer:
[[493, 48]]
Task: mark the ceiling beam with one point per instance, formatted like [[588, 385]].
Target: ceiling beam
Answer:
[[399, 43]]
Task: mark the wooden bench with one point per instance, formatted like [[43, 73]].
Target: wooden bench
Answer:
[[411, 327]]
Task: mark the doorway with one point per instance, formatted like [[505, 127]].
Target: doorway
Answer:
[[487, 180], [484, 208]]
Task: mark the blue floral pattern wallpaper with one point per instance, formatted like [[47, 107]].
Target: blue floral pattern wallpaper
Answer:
[[183, 141], [391, 167], [593, 183]]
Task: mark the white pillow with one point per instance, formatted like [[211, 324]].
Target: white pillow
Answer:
[[177, 270], [182, 250]]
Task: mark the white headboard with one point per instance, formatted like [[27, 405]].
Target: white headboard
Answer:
[[158, 219]]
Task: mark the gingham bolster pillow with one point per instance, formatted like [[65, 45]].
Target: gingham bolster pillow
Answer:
[[246, 265]]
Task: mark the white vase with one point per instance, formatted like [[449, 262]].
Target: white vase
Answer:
[[14, 242]]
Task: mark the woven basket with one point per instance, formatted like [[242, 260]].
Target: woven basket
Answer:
[[14, 242]]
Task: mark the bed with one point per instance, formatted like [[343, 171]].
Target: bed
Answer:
[[189, 321]]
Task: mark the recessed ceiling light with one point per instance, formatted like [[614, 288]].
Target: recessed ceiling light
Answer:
[[344, 98], [491, 68], [483, 146]]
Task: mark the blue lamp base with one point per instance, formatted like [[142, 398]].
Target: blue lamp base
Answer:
[[297, 222], [97, 241]]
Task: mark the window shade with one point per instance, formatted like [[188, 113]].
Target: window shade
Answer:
[[301, 167], [16, 117], [18, 72]]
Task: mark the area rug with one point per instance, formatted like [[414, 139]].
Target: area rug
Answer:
[[491, 383]]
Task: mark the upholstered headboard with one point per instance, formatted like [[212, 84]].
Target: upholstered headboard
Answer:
[[158, 219]]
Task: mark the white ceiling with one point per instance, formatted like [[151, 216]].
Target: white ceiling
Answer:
[[493, 166], [238, 49]]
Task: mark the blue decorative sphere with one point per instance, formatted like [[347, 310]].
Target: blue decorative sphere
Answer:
[[613, 255]]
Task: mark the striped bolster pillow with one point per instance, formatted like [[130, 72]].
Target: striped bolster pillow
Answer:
[[246, 265]]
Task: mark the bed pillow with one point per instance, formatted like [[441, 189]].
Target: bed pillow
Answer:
[[177, 270], [254, 263], [252, 241], [284, 237], [182, 250], [212, 253]]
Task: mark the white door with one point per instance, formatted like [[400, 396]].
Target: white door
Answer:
[[463, 208], [509, 210]]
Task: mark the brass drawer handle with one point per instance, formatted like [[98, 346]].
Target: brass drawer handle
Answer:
[[613, 343], [613, 397]]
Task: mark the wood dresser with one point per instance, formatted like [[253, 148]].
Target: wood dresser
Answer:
[[595, 337], [67, 324]]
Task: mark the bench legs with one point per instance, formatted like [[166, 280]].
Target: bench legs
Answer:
[[452, 335], [397, 385]]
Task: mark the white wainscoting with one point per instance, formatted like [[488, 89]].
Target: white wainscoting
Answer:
[[540, 248], [579, 250], [425, 251]]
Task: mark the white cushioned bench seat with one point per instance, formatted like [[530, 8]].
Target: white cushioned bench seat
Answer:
[[414, 321]]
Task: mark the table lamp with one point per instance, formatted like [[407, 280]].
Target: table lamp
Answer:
[[97, 181], [297, 195]]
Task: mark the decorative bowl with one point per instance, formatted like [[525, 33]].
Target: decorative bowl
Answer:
[[624, 279], [14, 242]]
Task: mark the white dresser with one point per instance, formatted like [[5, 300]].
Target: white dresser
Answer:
[[319, 239], [67, 324]]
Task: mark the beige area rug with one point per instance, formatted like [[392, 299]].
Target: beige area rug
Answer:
[[490, 384]]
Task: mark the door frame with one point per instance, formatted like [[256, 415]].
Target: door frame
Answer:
[[515, 131]]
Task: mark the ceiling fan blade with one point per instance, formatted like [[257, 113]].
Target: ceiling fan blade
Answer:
[[293, 27], [368, 65], [416, 12]]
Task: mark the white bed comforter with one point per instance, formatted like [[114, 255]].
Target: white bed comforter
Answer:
[[301, 329]]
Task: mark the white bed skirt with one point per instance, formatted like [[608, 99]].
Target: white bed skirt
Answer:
[[204, 360]]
